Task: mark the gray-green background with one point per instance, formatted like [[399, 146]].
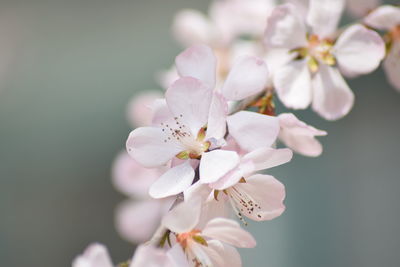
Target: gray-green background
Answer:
[[74, 66]]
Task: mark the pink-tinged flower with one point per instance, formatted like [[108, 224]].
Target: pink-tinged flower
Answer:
[[387, 18], [360, 8], [95, 255], [256, 196], [139, 112], [227, 20], [194, 119], [210, 245], [137, 219], [299, 136], [314, 74]]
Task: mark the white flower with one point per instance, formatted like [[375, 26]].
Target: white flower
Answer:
[[193, 119], [206, 246], [387, 18], [299, 136], [314, 73]]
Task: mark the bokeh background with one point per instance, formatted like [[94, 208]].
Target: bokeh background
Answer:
[[68, 70]]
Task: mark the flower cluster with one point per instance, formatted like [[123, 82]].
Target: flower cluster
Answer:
[[201, 150]]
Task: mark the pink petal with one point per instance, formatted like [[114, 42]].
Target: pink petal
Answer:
[[189, 101], [299, 136], [359, 50], [285, 28], [173, 182], [247, 77], [183, 217], [176, 256], [252, 130], [268, 192], [95, 255], [131, 178], [266, 157], [139, 108], [136, 221], [216, 126], [384, 17], [392, 65], [228, 231], [217, 163], [198, 61], [222, 254], [161, 113], [148, 146], [293, 84], [245, 168], [332, 97], [324, 16], [149, 256], [191, 27]]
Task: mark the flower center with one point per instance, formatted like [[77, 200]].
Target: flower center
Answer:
[[184, 238], [193, 146], [317, 51], [242, 202]]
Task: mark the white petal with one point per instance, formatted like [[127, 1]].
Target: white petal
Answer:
[[222, 254], [247, 77], [324, 16], [392, 65], [285, 28], [176, 256], [245, 168], [385, 17], [267, 192], [217, 163], [191, 27], [147, 146], [266, 157], [360, 8], [161, 113], [198, 61], [293, 84], [228, 231], [149, 256], [216, 126], [189, 100], [252, 130], [302, 6], [359, 50], [136, 221], [184, 217], [95, 255], [173, 182], [299, 136], [332, 98]]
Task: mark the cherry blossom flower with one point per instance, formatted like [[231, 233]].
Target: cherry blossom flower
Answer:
[[137, 219], [387, 18], [314, 74], [95, 255], [210, 245], [256, 196], [196, 123], [299, 136], [228, 20]]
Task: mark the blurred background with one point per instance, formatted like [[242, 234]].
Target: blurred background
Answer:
[[67, 72]]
